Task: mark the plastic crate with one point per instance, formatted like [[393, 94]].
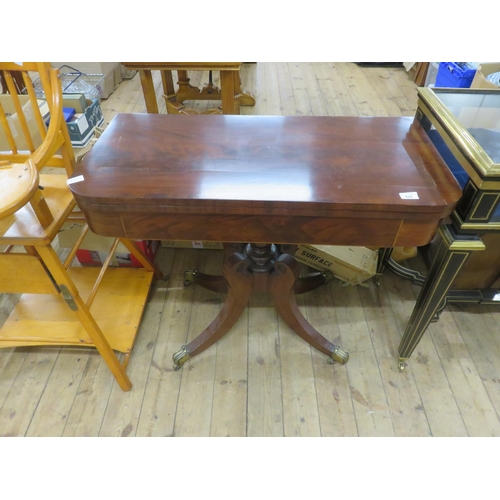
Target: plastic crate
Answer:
[[454, 75], [75, 82], [430, 79]]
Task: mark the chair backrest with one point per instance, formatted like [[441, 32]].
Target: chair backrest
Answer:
[[23, 133], [31, 210]]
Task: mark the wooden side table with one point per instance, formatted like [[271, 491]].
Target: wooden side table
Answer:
[[230, 93], [257, 181]]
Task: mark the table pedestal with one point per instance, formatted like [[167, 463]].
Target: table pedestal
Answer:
[[258, 268]]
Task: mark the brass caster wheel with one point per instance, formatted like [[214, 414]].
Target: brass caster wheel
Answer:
[[339, 356], [180, 357], [189, 276], [401, 365]]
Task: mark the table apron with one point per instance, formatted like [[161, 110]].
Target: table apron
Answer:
[[264, 229]]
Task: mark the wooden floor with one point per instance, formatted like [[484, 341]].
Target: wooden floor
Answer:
[[260, 379]]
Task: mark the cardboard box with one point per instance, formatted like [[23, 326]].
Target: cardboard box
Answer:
[[112, 78], [15, 125], [82, 128], [483, 70], [112, 72], [207, 245], [95, 249], [76, 101], [353, 265]]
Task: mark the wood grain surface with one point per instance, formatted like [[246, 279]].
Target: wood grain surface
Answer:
[[330, 180]]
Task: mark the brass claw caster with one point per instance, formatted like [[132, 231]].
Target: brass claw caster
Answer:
[[189, 275], [338, 356], [180, 357]]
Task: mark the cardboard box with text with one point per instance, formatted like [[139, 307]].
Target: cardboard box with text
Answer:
[[353, 265]]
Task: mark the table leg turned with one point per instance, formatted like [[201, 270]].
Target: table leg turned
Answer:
[[451, 256], [168, 85]]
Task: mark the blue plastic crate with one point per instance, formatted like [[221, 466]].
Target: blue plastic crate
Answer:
[[454, 75]]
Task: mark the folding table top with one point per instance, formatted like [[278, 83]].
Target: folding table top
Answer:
[[247, 166]]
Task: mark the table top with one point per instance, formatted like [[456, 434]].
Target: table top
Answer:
[[252, 166]]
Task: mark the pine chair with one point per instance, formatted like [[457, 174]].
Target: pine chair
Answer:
[[60, 304]]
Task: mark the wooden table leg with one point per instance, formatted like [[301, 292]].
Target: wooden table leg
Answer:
[[172, 103], [214, 283], [308, 283], [168, 85], [281, 286], [240, 286], [148, 91], [230, 105], [244, 98], [452, 254]]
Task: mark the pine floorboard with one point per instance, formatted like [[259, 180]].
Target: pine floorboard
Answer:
[[260, 379]]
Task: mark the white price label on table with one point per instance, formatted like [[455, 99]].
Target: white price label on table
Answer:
[[78, 178], [413, 195]]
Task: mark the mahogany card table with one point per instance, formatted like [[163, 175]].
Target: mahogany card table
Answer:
[[263, 183]]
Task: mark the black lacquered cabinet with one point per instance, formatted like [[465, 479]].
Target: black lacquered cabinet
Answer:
[[464, 125]]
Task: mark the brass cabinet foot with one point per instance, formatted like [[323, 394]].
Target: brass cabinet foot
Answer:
[[189, 276], [402, 364], [338, 356], [180, 357]]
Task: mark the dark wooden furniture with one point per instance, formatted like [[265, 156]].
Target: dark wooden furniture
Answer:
[[269, 180], [230, 93], [465, 126]]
